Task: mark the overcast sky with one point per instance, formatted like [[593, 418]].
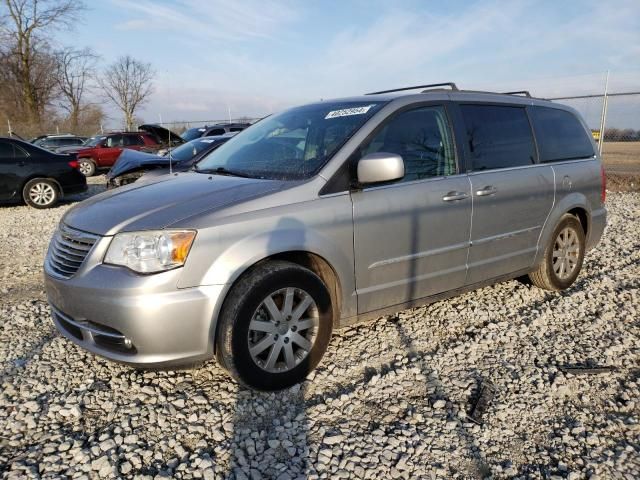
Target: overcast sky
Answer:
[[258, 56]]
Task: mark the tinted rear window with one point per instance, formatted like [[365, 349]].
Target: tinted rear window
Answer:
[[6, 150], [560, 135], [498, 137]]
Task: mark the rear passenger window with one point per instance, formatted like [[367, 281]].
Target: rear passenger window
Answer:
[[217, 131], [422, 138], [6, 150], [498, 137], [560, 135], [114, 141], [19, 152], [131, 140]]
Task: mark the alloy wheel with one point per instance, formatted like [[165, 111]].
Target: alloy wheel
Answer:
[[566, 253], [283, 330], [42, 194]]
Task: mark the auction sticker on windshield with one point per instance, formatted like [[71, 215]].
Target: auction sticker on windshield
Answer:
[[349, 111]]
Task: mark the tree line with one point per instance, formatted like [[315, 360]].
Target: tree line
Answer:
[[45, 86], [621, 135]]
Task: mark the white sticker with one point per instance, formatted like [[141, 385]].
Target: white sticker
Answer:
[[201, 129], [349, 111], [206, 140]]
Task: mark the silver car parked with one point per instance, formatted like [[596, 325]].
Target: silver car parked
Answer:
[[322, 216]]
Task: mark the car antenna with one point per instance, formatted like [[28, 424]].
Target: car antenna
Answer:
[[170, 154]]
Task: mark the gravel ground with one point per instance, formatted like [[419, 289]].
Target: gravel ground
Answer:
[[390, 399]]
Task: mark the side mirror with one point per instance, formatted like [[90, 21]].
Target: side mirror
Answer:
[[380, 167]]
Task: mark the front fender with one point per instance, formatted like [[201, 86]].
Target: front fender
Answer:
[[324, 227]]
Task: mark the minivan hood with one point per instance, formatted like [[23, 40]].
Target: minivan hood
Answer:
[[161, 203]]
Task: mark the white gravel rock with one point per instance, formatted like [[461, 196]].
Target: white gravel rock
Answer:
[[390, 400]]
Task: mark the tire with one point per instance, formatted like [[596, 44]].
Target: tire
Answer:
[[248, 322], [41, 193], [567, 247], [87, 167]]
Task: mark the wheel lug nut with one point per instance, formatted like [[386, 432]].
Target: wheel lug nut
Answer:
[[286, 340], [294, 328], [275, 336]]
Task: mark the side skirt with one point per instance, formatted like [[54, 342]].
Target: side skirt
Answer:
[[419, 302]]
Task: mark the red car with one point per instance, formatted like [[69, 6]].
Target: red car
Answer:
[[102, 151]]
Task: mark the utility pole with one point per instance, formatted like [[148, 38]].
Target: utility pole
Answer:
[[603, 117]]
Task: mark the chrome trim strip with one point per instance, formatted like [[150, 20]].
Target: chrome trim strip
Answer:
[[414, 256], [503, 235]]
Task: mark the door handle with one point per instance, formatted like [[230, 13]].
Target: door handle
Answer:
[[453, 196], [488, 190]]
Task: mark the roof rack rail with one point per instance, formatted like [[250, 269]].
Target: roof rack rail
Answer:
[[519, 92], [432, 85]]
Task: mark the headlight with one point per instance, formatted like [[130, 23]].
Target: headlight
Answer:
[[150, 251]]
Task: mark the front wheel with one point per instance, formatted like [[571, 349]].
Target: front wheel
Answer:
[[40, 193], [275, 326], [563, 256]]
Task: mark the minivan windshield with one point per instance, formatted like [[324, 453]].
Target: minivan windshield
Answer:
[[188, 150], [94, 141], [292, 145], [192, 134]]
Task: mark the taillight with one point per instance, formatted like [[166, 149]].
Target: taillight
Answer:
[[603, 183], [74, 164]]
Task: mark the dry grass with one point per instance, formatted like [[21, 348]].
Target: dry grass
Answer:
[[625, 154]]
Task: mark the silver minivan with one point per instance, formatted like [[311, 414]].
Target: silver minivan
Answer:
[[322, 216]]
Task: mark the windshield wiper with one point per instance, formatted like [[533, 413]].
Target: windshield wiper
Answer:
[[222, 171]]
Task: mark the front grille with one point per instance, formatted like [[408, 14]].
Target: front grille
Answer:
[[68, 249]]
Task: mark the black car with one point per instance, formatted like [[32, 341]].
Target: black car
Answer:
[[213, 130], [37, 176], [132, 165]]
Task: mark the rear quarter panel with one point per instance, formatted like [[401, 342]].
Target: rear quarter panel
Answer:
[[578, 185]]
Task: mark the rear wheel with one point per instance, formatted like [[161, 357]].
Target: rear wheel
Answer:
[[87, 167], [40, 193], [563, 256], [275, 326]]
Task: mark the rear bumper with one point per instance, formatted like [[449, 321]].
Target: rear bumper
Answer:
[[77, 188], [596, 229]]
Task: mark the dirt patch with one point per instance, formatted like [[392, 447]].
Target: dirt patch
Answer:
[[623, 182]]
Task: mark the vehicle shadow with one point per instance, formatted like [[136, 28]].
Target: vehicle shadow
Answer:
[[95, 185], [270, 428], [478, 466]]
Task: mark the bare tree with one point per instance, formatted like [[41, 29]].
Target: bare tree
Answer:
[[75, 68], [128, 83], [25, 22]]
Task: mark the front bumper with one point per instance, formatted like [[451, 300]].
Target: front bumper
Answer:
[[134, 319]]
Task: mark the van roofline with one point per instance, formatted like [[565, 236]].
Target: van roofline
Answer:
[[516, 98]]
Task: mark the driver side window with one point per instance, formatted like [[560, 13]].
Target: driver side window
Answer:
[[422, 137]]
